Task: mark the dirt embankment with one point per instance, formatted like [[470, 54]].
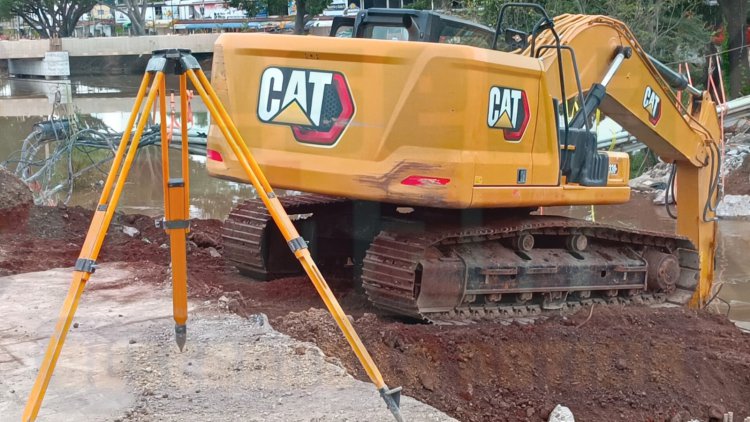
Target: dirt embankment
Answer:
[[49, 237], [13, 192], [738, 181], [635, 364]]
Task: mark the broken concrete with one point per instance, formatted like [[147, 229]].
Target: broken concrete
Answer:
[[734, 206]]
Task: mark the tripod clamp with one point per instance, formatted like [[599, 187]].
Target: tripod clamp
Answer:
[[181, 58]]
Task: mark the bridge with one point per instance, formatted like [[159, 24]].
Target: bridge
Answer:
[[52, 58]]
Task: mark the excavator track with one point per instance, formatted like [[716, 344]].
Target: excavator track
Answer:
[[431, 267], [248, 241], [457, 275]]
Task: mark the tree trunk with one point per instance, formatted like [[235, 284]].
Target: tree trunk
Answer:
[[735, 13], [299, 19]]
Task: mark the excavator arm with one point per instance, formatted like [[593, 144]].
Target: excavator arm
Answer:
[[634, 94]]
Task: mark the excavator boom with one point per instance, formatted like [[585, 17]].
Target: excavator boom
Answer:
[[641, 101]]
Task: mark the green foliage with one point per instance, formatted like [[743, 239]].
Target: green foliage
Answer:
[[275, 7], [315, 7], [640, 161], [253, 7], [50, 18], [670, 30], [421, 5]]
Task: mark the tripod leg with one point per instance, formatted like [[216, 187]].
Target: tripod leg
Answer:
[[175, 224], [86, 262], [295, 241], [184, 133]]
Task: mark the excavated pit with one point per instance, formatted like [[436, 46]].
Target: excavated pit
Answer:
[[612, 363]]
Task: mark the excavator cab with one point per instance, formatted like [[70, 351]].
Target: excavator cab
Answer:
[[580, 162], [411, 25]]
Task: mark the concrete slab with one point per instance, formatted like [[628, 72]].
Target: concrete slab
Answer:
[[121, 362]]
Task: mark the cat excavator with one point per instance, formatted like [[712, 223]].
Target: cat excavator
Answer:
[[425, 145]]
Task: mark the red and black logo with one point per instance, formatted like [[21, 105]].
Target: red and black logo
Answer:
[[316, 104], [652, 104], [508, 110]]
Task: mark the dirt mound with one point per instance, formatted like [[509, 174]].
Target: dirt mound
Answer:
[[49, 237], [13, 192], [631, 364]]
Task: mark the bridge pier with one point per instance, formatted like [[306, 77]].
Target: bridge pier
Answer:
[[60, 58], [53, 65]]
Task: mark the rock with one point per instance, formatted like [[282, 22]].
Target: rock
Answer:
[[131, 341], [130, 231], [530, 412], [661, 196], [561, 414], [75, 325], [213, 252], [654, 179], [234, 305], [428, 380], [716, 413], [621, 364], [203, 240], [13, 192], [734, 206]]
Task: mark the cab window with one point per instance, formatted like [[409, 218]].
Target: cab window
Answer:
[[454, 33]]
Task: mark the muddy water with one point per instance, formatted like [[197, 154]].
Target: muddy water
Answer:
[[19, 99], [212, 198]]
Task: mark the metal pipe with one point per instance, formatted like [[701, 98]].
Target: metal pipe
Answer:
[[734, 105]]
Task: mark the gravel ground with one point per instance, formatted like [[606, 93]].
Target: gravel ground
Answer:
[[120, 362]]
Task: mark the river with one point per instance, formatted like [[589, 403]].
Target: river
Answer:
[[24, 103]]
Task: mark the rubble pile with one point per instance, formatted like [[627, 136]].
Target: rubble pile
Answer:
[[735, 178]]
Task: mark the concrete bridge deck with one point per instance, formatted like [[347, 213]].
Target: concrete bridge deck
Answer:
[[108, 46]]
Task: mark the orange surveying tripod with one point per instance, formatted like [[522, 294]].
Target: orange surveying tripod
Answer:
[[176, 219]]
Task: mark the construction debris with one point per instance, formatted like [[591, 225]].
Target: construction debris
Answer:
[[734, 179], [561, 414], [734, 206]]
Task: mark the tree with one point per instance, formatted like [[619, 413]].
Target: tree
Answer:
[[253, 7], [304, 7], [48, 17], [313, 7], [670, 30], [135, 10], [735, 14]]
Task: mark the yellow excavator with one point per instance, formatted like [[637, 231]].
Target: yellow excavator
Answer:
[[424, 145]]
